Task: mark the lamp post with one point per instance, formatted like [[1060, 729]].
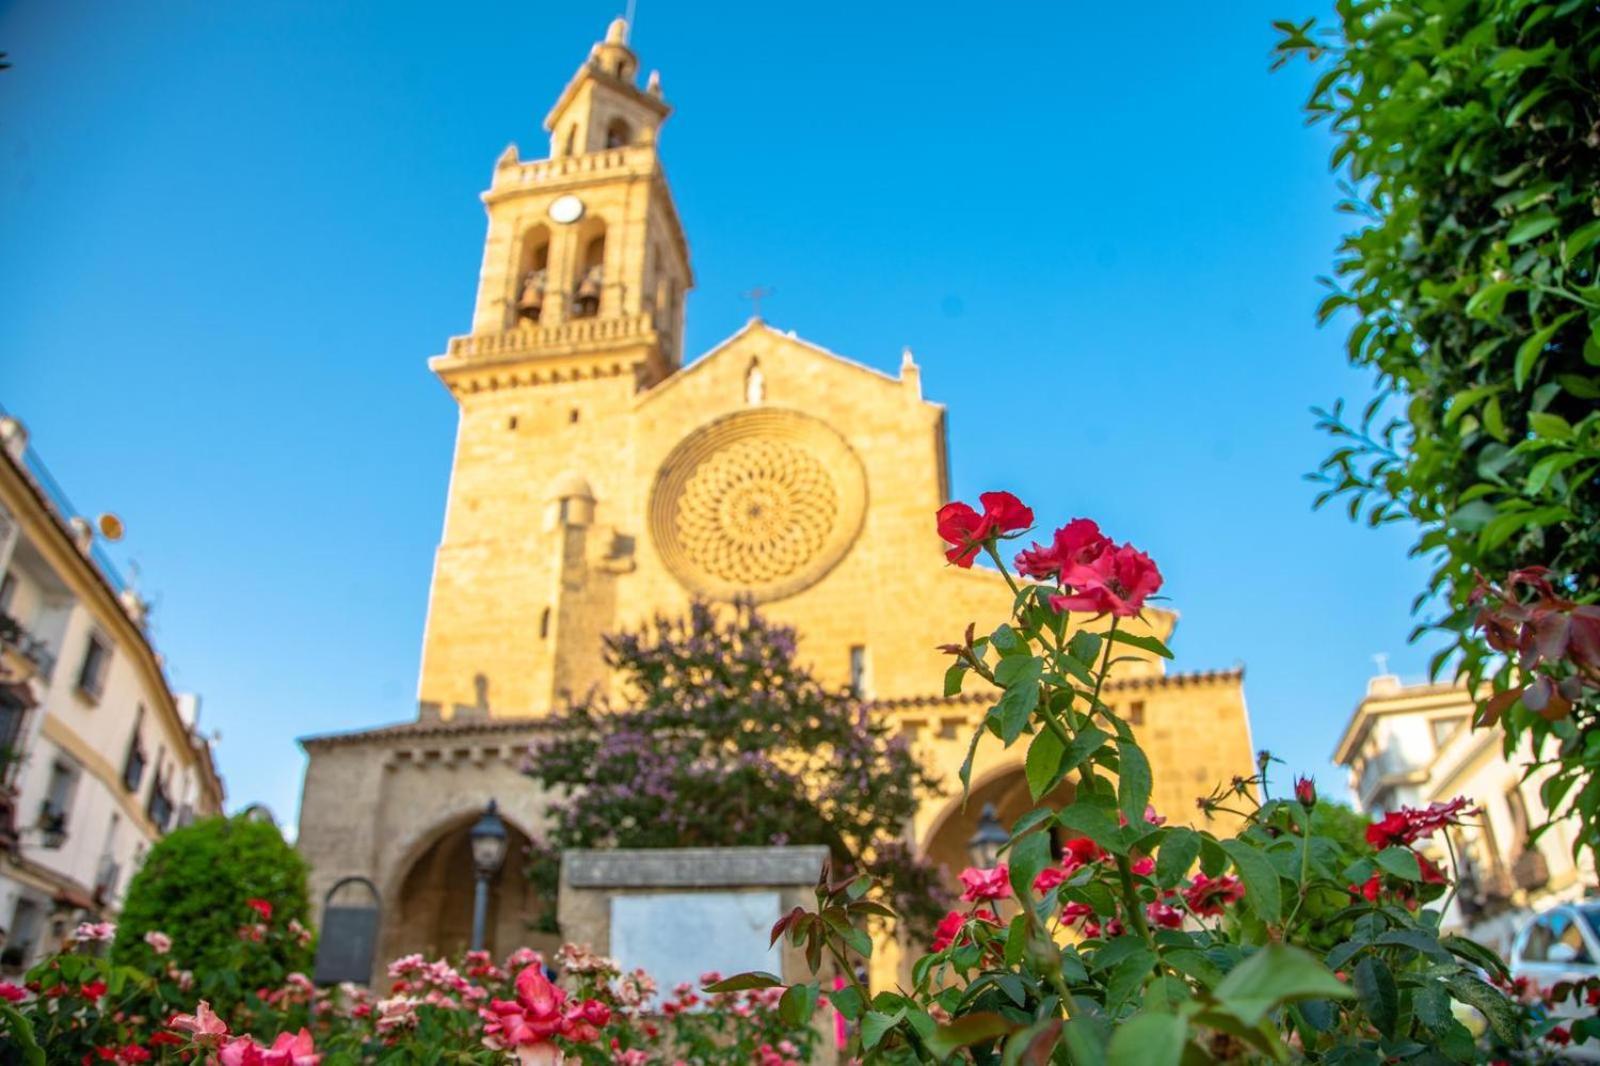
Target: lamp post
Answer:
[[488, 852], [984, 847]]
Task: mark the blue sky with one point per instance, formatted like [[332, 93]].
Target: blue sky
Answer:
[[231, 235]]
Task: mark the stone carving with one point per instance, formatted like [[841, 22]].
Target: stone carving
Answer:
[[760, 503]]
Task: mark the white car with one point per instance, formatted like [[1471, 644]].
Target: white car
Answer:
[[1562, 944]]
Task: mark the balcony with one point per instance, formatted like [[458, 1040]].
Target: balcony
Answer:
[[22, 645], [514, 175]]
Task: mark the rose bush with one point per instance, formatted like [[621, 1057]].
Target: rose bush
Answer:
[[1109, 934], [83, 1008]]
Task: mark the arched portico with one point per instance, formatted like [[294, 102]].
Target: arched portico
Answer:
[[432, 893], [1005, 786]]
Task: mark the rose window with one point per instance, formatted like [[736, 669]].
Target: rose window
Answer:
[[761, 503]]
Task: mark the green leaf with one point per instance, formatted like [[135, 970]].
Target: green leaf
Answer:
[[1261, 886], [1150, 643], [1401, 863], [1094, 823], [1275, 975], [1528, 354], [1133, 781], [1532, 227], [1502, 1014], [22, 1031], [965, 773], [1380, 997], [968, 1030], [1084, 646], [1475, 953], [1149, 1039], [1015, 709], [847, 1001], [1487, 301], [1179, 849], [1014, 670], [797, 1004], [1417, 940], [1028, 856], [1089, 740], [743, 982], [1578, 241], [953, 678], [876, 1024], [1044, 767], [1549, 426]]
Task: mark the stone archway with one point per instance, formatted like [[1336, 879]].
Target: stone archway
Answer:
[[431, 911], [1007, 788]]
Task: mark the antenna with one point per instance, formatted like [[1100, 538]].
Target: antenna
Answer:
[[629, 16], [1382, 659]]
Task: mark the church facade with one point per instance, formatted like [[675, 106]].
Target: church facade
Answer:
[[599, 480]]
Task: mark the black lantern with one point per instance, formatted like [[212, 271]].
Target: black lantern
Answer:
[[488, 838], [984, 847]]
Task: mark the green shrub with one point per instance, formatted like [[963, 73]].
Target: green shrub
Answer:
[[197, 885]]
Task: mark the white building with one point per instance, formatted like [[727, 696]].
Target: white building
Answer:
[[98, 757], [1412, 745]]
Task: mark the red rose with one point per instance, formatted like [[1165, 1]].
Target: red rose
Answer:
[[1431, 874], [1208, 896], [1407, 825], [950, 926], [1559, 1035], [261, 907], [12, 993], [1164, 915], [1116, 582], [1369, 890], [1074, 544], [967, 531], [1049, 878], [1305, 790], [986, 884], [93, 990], [1079, 851]]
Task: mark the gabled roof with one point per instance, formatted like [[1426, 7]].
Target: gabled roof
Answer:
[[758, 326]]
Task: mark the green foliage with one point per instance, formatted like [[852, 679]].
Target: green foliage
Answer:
[[1469, 131], [194, 887], [724, 739], [1113, 936]]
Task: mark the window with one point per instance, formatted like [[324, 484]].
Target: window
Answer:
[[511, 423], [572, 139], [1519, 817], [133, 766], [617, 133], [1136, 712], [1536, 947], [57, 806], [858, 670], [96, 662], [544, 615], [1555, 938], [8, 591], [160, 805], [1445, 728]]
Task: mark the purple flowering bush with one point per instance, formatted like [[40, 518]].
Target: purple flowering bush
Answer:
[[721, 738]]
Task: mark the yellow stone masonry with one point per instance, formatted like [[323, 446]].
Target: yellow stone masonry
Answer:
[[598, 482]]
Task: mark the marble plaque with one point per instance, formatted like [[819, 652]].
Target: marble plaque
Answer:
[[677, 936]]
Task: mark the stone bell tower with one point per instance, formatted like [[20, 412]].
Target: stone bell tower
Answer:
[[579, 309]]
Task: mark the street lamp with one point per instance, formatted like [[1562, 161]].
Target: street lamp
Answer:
[[488, 852], [984, 847]]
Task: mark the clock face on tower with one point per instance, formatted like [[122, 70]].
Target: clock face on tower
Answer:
[[565, 209]]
